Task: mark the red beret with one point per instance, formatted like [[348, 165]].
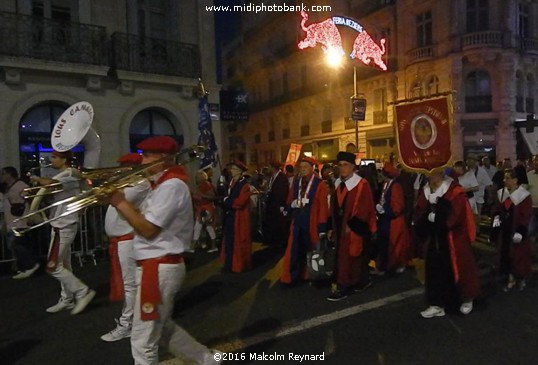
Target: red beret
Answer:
[[275, 164], [68, 155], [131, 158], [390, 170], [239, 164], [159, 144], [310, 160]]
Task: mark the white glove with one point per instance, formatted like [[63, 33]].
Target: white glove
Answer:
[[322, 234], [496, 221], [281, 209], [431, 217], [517, 238], [295, 204], [380, 209]]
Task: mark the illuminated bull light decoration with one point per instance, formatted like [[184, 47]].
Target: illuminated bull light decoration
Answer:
[[326, 34]]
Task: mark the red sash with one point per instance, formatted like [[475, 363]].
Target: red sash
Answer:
[[150, 294], [116, 278], [52, 259]]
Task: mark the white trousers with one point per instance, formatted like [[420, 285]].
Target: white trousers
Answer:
[[128, 274], [72, 287], [147, 335], [198, 230]]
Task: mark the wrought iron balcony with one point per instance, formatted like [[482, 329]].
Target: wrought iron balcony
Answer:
[[529, 45], [489, 38], [157, 56], [41, 38]]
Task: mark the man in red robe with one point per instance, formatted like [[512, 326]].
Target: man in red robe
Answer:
[[445, 222], [236, 253], [393, 234], [512, 216], [308, 204], [354, 221]]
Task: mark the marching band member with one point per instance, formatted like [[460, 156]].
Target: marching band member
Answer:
[[309, 207], [444, 221], [163, 229], [123, 263], [354, 221], [205, 210], [75, 295], [236, 253]]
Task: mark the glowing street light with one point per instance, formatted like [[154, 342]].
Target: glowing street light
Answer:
[[334, 57]]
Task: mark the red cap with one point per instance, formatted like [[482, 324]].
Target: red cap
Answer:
[[312, 161], [390, 170], [159, 144], [130, 158], [275, 164], [68, 155], [239, 164]]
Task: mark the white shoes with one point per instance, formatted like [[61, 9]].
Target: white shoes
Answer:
[[61, 305], [27, 273], [466, 307], [433, 311], [83, 302], [118, 333]]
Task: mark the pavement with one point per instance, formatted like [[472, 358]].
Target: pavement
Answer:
[[255, 321]]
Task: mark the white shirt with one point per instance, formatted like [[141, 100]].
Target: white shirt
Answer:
[[70, 180], [483, 180], [115, 224], [491, 170], [168, 206], [533, 187], [468, 180]]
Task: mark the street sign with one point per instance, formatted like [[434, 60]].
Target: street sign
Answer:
[[358, 109]]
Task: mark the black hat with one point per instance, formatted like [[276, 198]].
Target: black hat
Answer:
[[346, 156]]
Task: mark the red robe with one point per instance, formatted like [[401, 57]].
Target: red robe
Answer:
[[392, 225], [515, 211], [454, 226], [201, 203], [236, 253], [354, 221], [317, 223]]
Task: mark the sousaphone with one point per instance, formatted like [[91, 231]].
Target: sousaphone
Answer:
[[71, 128]]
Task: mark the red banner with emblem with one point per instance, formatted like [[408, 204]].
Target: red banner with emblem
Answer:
[[293, 154], [423, 131]]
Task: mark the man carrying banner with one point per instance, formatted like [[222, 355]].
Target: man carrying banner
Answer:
[[354, 221]]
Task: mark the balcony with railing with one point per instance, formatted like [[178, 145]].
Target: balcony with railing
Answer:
[[529, 45], [47, 39], [157, 56], [489, 38], [421, 54]]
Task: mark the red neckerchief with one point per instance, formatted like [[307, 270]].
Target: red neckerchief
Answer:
[[176, 172]]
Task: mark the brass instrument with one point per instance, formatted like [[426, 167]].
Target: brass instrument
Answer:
[[135, 175]]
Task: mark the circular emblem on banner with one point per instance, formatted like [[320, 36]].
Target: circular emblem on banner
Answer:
[[423, 131], [51, 264], [148, 307]]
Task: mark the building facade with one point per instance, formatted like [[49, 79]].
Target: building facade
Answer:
[[483, 53], [137, 62]]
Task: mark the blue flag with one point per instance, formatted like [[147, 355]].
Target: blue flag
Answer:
[[206, 138]]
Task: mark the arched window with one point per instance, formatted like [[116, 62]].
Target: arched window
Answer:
[[529, 100], [416, 89], [477, 92], [520, 92], [151, 122], [35, 129], [433, 85]]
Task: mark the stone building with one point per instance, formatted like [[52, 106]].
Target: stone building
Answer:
[[137, 62], [483, 53]]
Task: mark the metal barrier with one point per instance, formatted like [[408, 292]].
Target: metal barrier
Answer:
[[91, 238]]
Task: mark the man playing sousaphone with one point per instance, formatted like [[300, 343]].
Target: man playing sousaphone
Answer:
[[75, 295]]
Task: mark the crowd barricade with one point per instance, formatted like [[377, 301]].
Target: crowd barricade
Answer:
[[90, 240]]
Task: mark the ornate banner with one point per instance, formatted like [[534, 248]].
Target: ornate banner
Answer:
[[423, 131], [293, 154]]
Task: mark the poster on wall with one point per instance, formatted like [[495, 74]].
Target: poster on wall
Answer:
[[423, 131]]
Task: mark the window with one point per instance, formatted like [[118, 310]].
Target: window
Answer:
[[257, 138], [433, 85], [523, 26], [379, 99], [327, 126], [152, 19], [305, 130], [477, 15], [285, 133], [416, 89], [529, 101], [477, 92], [151, 122], [271, 136], [424, 29]]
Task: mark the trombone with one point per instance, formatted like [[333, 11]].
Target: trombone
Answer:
[[133, 176]]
